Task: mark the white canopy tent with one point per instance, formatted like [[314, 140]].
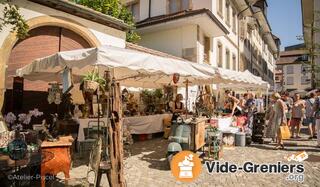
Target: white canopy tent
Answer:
[[241, 80], [132, 68]]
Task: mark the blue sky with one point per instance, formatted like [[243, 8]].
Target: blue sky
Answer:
[[285, 19]]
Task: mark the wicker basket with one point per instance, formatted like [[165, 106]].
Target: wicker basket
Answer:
[[90, 86]]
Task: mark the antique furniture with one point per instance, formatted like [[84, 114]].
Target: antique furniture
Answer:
[[61, 160], [198, 133]]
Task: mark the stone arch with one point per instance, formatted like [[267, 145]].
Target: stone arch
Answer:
[[33, 23]]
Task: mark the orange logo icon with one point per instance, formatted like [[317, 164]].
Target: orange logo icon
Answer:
[[186, 166]]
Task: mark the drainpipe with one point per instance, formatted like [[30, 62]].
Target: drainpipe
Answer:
[[149, 9]]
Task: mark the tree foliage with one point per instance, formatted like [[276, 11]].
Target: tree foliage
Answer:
[[114, 9], [12, 17], [314, 49]]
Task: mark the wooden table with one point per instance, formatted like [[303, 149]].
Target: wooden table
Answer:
[[61, 160], [198, 133]]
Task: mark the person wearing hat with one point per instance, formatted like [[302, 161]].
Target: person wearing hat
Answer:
[[278, 118]]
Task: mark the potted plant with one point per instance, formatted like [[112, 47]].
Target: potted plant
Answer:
[[92, 81]]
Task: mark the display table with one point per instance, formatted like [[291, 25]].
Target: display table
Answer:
[[224, 124], [145, 124], [61, 160], [83, 123]]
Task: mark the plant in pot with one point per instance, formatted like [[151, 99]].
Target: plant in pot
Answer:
[[92, 81]]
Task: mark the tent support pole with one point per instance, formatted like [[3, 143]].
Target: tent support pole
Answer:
[[187, 95]]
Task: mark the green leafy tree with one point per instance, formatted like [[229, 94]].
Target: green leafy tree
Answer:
[[115, 9], [12, 17], [314, 50]]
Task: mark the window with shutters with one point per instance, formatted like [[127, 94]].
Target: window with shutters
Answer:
[[289, 81], [234, 62], [134, 7], [290, 70], [178, 5], [219, 55], [227, 10], [305, 79], [227, 59], [206, 55], [234, 21], [220, 8]]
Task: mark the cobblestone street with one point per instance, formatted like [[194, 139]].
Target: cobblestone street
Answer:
[[148, 167]]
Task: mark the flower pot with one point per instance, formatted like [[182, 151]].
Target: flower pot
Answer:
[[90, 86]]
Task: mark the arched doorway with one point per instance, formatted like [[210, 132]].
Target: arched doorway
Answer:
[[42, 41]]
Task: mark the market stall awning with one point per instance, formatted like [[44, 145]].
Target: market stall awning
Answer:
[[131, 67], [240, 80]]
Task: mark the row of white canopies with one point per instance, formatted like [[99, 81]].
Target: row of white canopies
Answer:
[[135, 69]]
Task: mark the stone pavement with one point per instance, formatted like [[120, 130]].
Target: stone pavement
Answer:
[[148, 167]]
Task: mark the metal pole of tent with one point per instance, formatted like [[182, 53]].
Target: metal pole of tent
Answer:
[[267, 98], [98, 101], [187, 95]]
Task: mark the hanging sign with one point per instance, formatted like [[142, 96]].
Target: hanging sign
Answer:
[[176, 78]]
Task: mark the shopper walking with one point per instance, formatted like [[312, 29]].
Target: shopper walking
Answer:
[[298, 110], [278, 117], [250, 108], [310, 115], [289, 102], [271, 131]]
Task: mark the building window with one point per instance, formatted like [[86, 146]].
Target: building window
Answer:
[[228, 12], [305, 80], [135, 10], [227, 59], [234, 62], [304, 58], [178, 5], [220, 7], [219, 55], [234, 21], [289, 80], [207, 50], [289, 69]]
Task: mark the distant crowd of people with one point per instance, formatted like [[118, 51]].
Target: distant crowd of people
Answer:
[[294, 112], [282, 110]]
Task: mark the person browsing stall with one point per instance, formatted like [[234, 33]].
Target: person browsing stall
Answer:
[[310, 115], [298, 110], [177, 107], [232, 104]]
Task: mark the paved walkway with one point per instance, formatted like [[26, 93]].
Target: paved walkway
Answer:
[[148, 167]]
